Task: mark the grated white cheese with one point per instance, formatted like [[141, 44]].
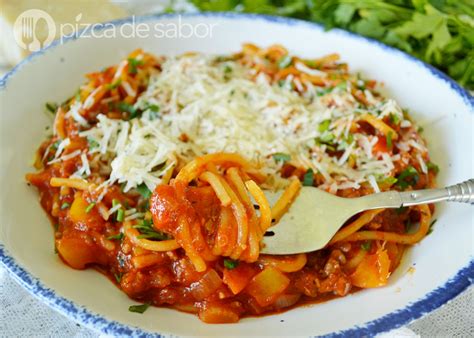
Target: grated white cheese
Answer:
[[373, 183], [303, 68], [84, 170], [130, 211], [90, 100], [405, 124], [346, 154], [66, 157], [423, 166], [134, 216], [104, 191], [126, 86], [204, 110], [416, 145], [114, 209], [74, 112], [61, 146]]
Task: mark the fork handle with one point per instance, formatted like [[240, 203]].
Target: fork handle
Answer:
[[462, 192]]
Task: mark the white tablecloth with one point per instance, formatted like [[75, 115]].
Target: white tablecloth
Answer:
[[22, 315]]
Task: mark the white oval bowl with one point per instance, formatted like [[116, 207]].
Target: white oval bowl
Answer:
[[443, 265]]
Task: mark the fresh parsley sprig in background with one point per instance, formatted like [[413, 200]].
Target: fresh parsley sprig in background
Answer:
[[440, 32]]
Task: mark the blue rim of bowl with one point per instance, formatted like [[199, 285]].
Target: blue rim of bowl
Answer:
[[431, 301]]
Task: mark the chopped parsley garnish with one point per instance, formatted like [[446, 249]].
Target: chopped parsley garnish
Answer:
[[65, 205], [118, 236], [55, 145], [51, 107], [118, 278], [120, 215], [308, 178], [145, 227], [159, 236], [401, 210], [388, 181], [285, 84], [346, 142], [394, 119], [311, 63], [133, 64], [230, 264], [388, 140], [227, 72], [433, 167], [350, 138], [56, 226], [90, 207], [284, 61], [281, 157], [115, 202], [139, 308], [128, 108], [147, 223], [366, 245], [323, 91], [430, 229], [326, 137], [360, 83], [323, 126], [222, 58], [153, 107], [114, 84], [227, 69], [92, 143], [407, 177], [144, 191], [342, 85]]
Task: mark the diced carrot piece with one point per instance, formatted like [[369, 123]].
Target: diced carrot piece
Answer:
[[267, 286], [218, 314], [238, 278], [380, 146], [373, 271]]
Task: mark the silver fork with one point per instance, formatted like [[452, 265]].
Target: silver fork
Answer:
[[27, 31], [315, 215]]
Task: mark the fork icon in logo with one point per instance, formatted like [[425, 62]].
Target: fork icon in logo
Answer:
[[26, 33]]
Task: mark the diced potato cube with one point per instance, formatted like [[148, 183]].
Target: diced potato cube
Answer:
[[75, 252], [373, 271], [78, 210], [267, 286], [218, 314]]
